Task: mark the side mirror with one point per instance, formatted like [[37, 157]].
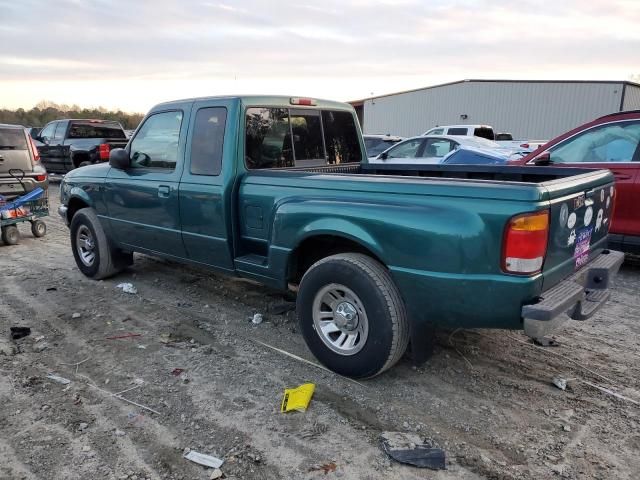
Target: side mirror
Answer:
[[119, 158], [383, 156], [543, 159]]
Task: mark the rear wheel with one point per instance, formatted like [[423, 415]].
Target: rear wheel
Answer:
[[352, 316], [94, 255], [38, 228], [10, 235]]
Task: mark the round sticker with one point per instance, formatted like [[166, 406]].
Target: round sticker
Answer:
[[599, 219], [571, 222], [608, 201], [588, 216], [602, 195], [564, 214]]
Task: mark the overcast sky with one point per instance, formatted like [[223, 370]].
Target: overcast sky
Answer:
[[132, 54]]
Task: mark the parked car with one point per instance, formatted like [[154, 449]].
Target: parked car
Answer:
[[612, 142], [73, 143], [278, 190], [432, 149], [376, 144], [506, 140], [19, 154], [475, 156]]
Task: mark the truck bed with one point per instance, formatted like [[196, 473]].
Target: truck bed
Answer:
[[498, 173]]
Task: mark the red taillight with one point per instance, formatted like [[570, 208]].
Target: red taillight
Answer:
[[525, 243], [41, 178], [104, 151], [302, 101], [35, 155]]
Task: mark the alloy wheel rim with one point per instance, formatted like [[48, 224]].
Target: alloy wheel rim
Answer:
[[340, 319]]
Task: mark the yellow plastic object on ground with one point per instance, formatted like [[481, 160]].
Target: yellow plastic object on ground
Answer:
[[297, 398]]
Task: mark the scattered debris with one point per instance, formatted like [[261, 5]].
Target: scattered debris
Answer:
[[257, 319], [7, 348], [326, 468], [297, 398], [20, 332], [119, 433], [83, 426], [566, 428], [215, 474], [561, 383], [545, 342], [126, 335], [127, 288], [52, 289], [38, 339], [203, 459], [409, 449], [176, 372], [314, 431], [304, 360], [610, 392], [166, 338], [142, 347], [56, 378], [76, 315]]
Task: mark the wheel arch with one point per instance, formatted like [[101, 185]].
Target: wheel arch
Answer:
[[318, 245]]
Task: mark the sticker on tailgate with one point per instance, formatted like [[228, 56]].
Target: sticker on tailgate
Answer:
[[581, 253]]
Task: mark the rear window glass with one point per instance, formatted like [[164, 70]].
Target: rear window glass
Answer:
[[12, 139], [207, 141], [282, 137], [268, 138], [341, 137], [457, 131], [375, 146], [96, 130], [484, 132]]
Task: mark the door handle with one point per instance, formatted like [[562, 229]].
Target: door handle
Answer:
[[164, 191], [621, 177]]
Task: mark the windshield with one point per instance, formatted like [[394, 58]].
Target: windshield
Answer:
[[96, 130], [375, 146], [12, 139]]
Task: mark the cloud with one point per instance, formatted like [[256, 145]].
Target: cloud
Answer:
[[357, 45]]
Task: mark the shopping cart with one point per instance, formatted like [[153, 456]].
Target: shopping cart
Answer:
[[30, 207]]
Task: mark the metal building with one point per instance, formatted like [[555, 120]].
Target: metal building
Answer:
[[536, 109]]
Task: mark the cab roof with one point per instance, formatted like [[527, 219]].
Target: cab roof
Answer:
[[263, 100]]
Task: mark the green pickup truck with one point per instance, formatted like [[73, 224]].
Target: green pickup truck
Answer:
[[278, 190]]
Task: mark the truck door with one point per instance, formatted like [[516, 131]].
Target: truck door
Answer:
[[45, 137], [142, 201], [56, 148], [206, 185]]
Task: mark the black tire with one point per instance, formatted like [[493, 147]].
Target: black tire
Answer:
[[38, 228], [10, 235], [103, 264], [384, 311]]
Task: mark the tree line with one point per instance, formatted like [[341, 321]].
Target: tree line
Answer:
[[45, 112]]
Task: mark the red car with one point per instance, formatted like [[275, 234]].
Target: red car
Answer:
[[612, 142]]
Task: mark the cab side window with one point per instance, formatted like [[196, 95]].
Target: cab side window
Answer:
[[47, 132], [207, 141], [156, 142], [613, 143], [407, 149], [61, 129]]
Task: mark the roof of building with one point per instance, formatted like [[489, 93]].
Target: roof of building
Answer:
[[359, 102]]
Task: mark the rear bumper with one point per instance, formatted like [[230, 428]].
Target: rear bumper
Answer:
[[578, 297]]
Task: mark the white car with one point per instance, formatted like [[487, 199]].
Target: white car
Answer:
[[432, 149]]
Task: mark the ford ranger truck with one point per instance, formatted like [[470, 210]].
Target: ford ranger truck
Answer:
[[278, 190]]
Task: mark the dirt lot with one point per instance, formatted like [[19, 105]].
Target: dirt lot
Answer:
[[485, 397]]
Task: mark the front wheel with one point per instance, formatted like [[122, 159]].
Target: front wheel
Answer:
[[91, 249], [352, 316]]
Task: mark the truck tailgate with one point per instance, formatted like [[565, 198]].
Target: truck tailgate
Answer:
[[580, 215]]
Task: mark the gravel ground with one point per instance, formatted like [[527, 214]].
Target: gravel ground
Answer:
[[485, 397]]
